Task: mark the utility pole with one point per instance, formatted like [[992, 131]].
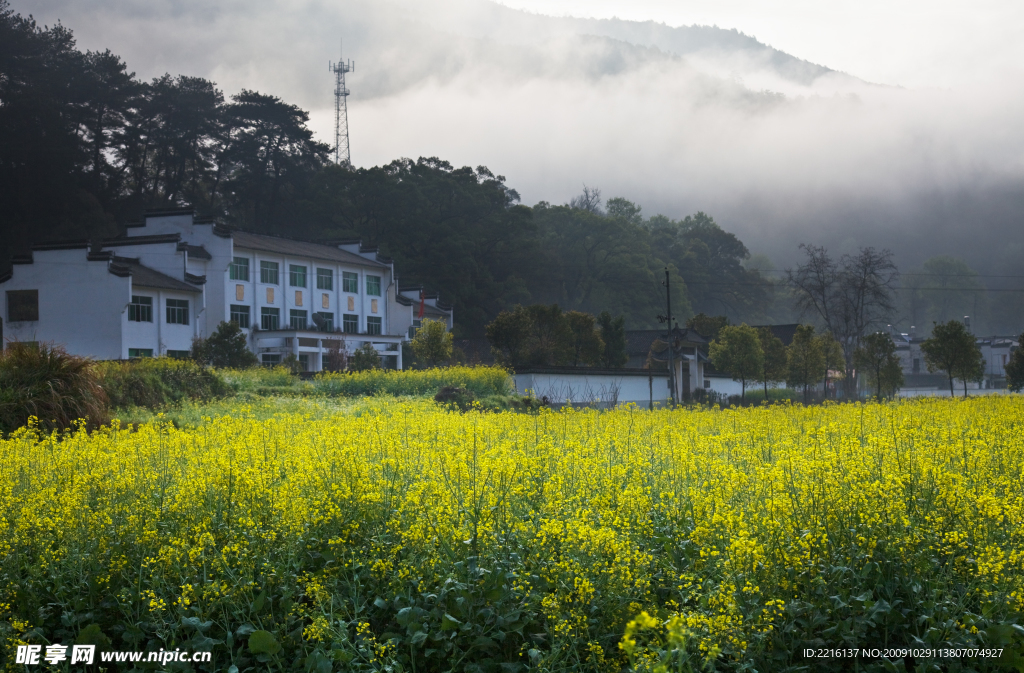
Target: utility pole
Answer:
[[671, 355]]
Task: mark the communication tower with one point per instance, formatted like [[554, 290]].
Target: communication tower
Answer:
[[342, 155]]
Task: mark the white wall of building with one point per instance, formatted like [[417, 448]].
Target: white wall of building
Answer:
[[81, 304]]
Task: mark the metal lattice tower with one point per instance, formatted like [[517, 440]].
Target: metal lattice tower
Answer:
[[342, 154]]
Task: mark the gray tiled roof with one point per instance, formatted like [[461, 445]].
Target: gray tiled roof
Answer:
[[143, 276], [287, 246], [195, 251]]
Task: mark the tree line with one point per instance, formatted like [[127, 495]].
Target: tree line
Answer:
[[86, 146]]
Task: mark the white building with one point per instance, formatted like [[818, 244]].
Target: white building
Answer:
[[995, 350], [174, 277]]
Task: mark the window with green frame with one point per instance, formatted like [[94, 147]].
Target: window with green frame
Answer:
[[296, 275], [373, 325], [240, 315], [270, 318], [177, 311], [239, 269], [179, 355], [350, 324], [297, 319], [324, 279], [140, 352], [373, 286], [141, 309], [324, 321], [268, 272], [350, 282]]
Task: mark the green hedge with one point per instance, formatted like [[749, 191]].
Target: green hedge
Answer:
[[481, 381], [157, 382]]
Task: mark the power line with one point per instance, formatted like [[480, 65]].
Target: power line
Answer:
[[922, 275]]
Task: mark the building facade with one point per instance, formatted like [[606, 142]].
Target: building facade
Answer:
[[995, 350], [174, 277]]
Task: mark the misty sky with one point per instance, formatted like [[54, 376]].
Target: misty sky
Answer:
[[913, 43], [911, 141]]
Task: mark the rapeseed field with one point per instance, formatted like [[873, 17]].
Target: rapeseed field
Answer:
[[408, 537]]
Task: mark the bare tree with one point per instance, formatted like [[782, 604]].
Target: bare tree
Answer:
[[852, 295], [589, 200]]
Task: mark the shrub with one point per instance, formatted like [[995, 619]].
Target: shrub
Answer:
[[226, 347], [365, 358], [455, 396], [157, 382], [45, 381], [432, 343]]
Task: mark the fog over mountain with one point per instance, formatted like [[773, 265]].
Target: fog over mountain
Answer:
[[678, 119]]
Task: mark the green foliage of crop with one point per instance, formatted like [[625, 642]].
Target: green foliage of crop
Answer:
[[480, 381], [264, 381], [291, 537]]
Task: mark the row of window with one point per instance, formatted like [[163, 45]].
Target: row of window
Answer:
[[269, 274], [148, 353], [141, 310], [270, 319]]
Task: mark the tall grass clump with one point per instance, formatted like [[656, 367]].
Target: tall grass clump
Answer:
[[482, 382], [45, 381], [158, 382]]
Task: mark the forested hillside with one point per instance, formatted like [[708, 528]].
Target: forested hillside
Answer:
[[85, 146]]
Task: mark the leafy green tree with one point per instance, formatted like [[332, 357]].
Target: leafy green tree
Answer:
[[552, 339], [433, 342], [45, 175], [226, 347], [1015, 368], [775, 365], [173, 142], [587, 347], [835, 361], [737, 352], [613, 334], [364, 358], [461, 231], [626, 210], [270, 150], [877, 358], [509, 335], [952, 349], [588, 261], [806, 360], [707, 326], [710, 262]]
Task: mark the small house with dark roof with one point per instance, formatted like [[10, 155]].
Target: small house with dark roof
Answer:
[[174, 277]]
